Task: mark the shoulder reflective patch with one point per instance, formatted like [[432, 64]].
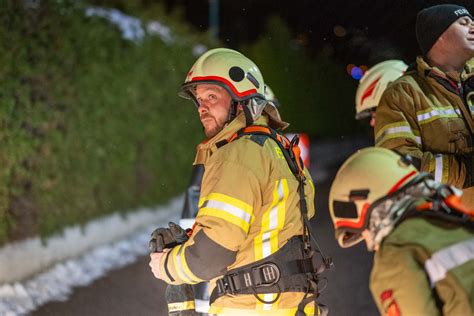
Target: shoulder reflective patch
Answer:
[[447, 259]]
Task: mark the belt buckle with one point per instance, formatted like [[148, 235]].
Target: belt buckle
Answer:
[[270, 274], [226, 285]]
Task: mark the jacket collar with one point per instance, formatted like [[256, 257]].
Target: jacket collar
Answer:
[[206, 148], [425, 70]]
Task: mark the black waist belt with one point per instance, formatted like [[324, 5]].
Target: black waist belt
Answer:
[[287, 270]]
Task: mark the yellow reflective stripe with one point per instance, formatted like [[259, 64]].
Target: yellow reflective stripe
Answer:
[[180, 306], [437, 117], [397, 130], [185, 266], [218, 310], [232, 201], [227, 208], [311, 184], [429, 110], [431, 114], [205, 211], [445, 170], [266, 243], [267, 297], [389, 126], [181, 267], [273, 220]]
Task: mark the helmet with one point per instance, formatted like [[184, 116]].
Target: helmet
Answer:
[[270, 96], [373, 84], [231, 70], [271, 109], [364, 179]]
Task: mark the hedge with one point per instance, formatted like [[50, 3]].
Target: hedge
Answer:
[[90, 123]]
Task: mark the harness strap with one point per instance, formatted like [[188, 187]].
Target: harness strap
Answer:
[[232, 284], [455, 209], [292, 155]]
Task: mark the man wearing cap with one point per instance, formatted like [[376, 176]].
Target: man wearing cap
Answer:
[[428, 112]]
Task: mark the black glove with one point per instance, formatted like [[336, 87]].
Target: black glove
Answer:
[[163, 238]]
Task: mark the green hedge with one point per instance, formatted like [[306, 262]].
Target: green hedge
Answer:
[[90, 123]]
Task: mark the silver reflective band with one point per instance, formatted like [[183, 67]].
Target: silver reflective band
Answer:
[[438, 176], [399, 129], [273, 225], [437, 112], [231, 209], [447, 259]]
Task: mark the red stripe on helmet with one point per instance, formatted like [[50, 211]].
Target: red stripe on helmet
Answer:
[[227, 83], [358, 224], [401, 181], [370, 89]]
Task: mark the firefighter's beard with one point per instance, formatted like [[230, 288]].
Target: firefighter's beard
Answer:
[[211, 125]]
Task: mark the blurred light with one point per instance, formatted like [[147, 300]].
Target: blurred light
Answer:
[[302, 39], [357, 73], [364, 68], [349, 69], [339, 31]]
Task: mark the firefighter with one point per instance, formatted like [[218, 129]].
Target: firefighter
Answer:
[[373, 84], [428, 112], [422, 236], [250, 237]]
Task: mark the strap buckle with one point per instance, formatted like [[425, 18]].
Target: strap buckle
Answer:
[[225, 285], [266, 274]]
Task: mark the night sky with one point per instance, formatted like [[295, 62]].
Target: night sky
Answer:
[[369, 31]]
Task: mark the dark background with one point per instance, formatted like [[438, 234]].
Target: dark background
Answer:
[[375, 30]]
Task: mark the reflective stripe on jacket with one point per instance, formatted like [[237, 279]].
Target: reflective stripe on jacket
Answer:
[[425, 267], [248, 209], [423, 114]]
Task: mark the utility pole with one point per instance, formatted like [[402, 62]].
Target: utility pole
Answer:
[[214, 19]]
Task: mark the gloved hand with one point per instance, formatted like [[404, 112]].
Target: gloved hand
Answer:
[[163, 238]]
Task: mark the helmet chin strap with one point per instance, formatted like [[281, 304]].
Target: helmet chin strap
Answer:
[[248, 115], [233, 113]]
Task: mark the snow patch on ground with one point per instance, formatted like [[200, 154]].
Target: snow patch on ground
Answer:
[[126, 239]]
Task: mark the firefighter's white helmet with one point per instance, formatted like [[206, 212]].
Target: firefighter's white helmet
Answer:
[[373, 84], [234, 72], [366, 177]]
